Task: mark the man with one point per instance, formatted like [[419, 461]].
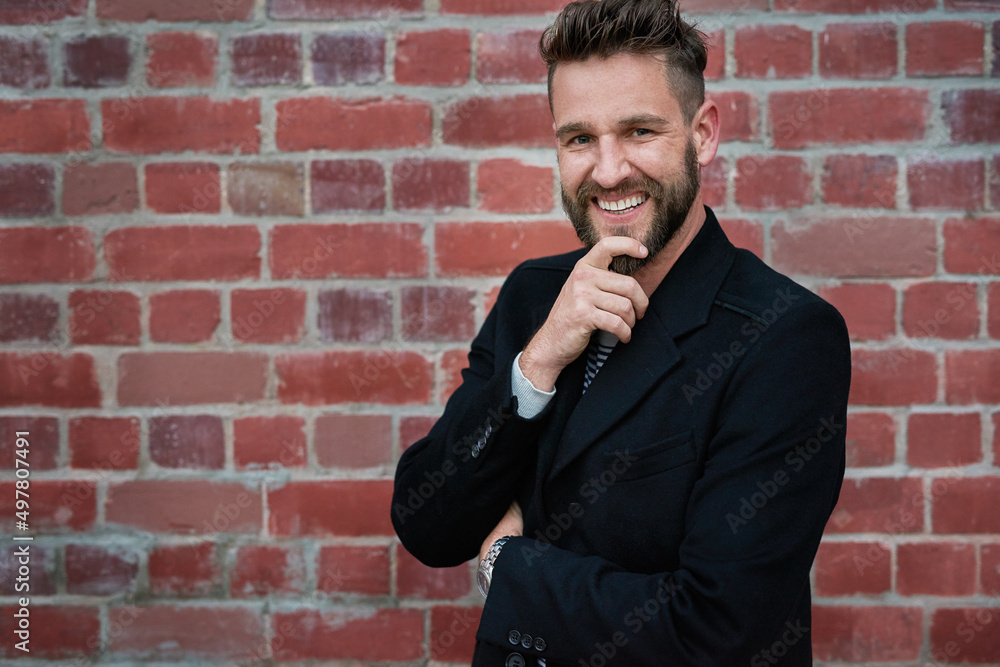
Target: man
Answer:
[[649, 438]]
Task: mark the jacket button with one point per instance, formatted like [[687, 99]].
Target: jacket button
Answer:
[[539, 644], [514, 637], [526, 641], [514, 660]]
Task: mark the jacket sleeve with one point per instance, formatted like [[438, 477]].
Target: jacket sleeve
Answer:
[[452, 487], [778, 446]]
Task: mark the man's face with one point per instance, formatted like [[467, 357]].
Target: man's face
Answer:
[[627, 159]]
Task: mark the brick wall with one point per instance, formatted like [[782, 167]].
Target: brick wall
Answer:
[[245, 243]]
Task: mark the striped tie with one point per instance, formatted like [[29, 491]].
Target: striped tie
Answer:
[[597, 353]]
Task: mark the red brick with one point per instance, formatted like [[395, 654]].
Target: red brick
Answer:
[[268, 315], [19, 13], [422, 184], [492, 294], [28, 317], [266, 59], [321, 123], [506, 7], [879, 505], [355, 376], [187, 441], [348, 57], [871, 439], [515, 120], [995, 70], [96, 570], [267, 570], [353, 569], [183, 187], [990, 564], [433, 57], [436, 313], [936, 568], [506, 185], [452, 364], [183, 316], [972, 116], [716, 47], [830, 116], [96, 62], [853, 6], [772, 52], [350, 508], [184, 506], [355, 314], [104, 317], [181, 59], [772, 183], [99, 189], [855, 247], [966, 243], [184, 570], [147, 125], [969, 5], [184, 252], [993, 310], [941, 310], [345, 250], [509, 57], [745, 234], [723, 6], [104, 443], [359, 634], [412, 429], [857, 51], [56, 631], [898, 376], [44, 126], [739, 114], [43, 442], [946, 48], [353, 441], [996, 436], [966, 505], [459, 245], [453, 633], [57, 506], [26, 190], [714, 183], [868, 308], [340, 9], [269, 442], [216, 632], [853, 568], [139, 11], [42, 570], [946, 184], [943, 440], [416, 580], [971, 376], [188, 378], [860, 181], [347, 185], [994, 184], [863, 634], [968, 635], [47, 378]]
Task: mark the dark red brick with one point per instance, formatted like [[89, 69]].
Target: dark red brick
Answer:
[[879, 505], [139, 11], [184, 252], [452, 364], [267, 570], [433, 57], [853, 568], [104, 443], [990, 565], [184, 570], [24, 62], [97, 570], [149, 125], [353, 376], [181, 59], [275, 315], [57, 506], [853, 6], [348, 57], [347, 185], [939, 440], [768, 183], [739, 114], [871, 439], [453, 632], [321, 123], [97, 62], [27, 190], [504, 7], [71, 631], [773, 52], [941, 310], [509, 57], [359, 634], [187, 441], [99, 189], [437, 313], [28, 317], [42, 451], [345, 250], [716, 47], [44, 126], [412, 429], [353, 569], [971, 376], [714, 183], [104, 317], [747, 234], [357, 315], [897, 376], [966, 634], [868, 308], [22, 13], [424, 184], [41, 578], [183, 316], [993, 310], [203, 633], [330, 508], [946, 184], [48, 378], [269, 442], [968, 245], [416, 580], [937, 568], [183, 187], [866, 634], [189, 378], [266, 59], [945, 48], [858, 51], [972, 116], [353, 441], [506, 185], [459, 245], [184, 506], [483, 122], [966, 505], [342, 9], [861, 181]]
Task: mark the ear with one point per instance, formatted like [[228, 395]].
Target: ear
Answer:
[[705, 127]]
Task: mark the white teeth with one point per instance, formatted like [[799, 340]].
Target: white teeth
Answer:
[[621, 204]]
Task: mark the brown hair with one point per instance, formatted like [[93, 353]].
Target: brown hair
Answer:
[[604, 28]]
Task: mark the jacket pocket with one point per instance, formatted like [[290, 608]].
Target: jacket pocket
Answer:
[[651, 459]]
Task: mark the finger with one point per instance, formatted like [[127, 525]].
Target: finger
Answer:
[[616, 304], [625, 286], [614, 324], [608, 248]]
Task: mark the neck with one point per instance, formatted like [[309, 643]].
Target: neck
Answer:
[[650, 276]]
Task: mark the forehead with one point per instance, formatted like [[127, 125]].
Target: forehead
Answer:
[[600, 90]]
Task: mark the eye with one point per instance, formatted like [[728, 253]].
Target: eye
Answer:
[[580, 140], [641, 132]]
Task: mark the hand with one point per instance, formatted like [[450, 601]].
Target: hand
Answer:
[[592, 298], [512, 523]]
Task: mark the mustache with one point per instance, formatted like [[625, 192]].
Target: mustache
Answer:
[[590, 189]]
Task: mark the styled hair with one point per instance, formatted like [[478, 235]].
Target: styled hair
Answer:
[[604, 28]]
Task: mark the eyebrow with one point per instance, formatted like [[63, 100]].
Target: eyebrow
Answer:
[[631, 121]]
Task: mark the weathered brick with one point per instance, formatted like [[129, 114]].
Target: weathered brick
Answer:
[[866, 634], [58, 631], [99, 570], [768, 183], [516, 120], [747, 234], [275, 315], [509, 57], [190, 570], [431, 312], [104, 317], [966, 505], [24, 62], [147, 125], [207, 633], [858, 51], [187, 441], [772, 52], [879, 505], [416, 580], [104, 443], [264, 569], [356, 376], [342, 9], [868, 308], [740, 115], [189, 378], [26, 190], [57, 506], [266, 59], [714, 183], [853, 568], [22, 13], [184, 252], [346, 185], [861, 181], [990, 566], [969, 246], [506, 7], [453, 632], [425, 184], [41, 578], [43, 439], [852, 6], [941, 310], [946, 184], [452, 364], [183, 187], [965, 634], [993, 310], [348, 57], [938, 568], [897, 376], [327, 508], [139, 11], [353, 441], [971, 376], [871, 439], [716, 47], [104, 188], [939, 440], [345, 250], [28, 317], [96, 62], [353, 569], [359, 634], [357, 315], [321, 123], [506, 185], [44, 126], [183, 316], [184, 506], [433, 57], [459, 245], [181, 59], [972, 116], [48, 378], [269, 442], [944, 48]]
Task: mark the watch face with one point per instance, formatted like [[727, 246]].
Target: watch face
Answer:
[[483, 579]]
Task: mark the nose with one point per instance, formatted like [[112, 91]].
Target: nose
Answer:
[[612, 165]]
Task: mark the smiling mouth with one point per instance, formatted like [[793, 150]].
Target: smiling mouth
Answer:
[[620, 206]]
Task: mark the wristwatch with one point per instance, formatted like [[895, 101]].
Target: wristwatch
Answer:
[[485, 574]]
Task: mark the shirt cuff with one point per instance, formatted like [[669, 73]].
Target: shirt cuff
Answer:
[[530, 400]]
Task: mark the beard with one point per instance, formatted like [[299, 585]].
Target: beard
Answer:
[[672, 202]]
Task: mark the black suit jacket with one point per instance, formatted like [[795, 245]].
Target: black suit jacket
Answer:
[[673, 511]]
